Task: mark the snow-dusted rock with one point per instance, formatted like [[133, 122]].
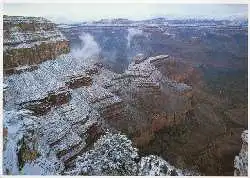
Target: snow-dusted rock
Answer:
[[156, 166], [113, 154], [16, 123], [22, 129], [143, 77], [30, 40], [241, 161]]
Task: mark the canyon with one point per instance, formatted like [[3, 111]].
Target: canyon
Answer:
[[103, 100]]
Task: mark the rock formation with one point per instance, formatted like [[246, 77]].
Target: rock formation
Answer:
[[241, 161], [29, 41], [111, 155], [155, 166], [146, 93], [54, 98], [23, 152]]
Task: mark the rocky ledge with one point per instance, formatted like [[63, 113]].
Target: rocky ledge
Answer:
[[30, 41]]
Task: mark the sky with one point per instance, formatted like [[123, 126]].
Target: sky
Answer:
[[78, 12]]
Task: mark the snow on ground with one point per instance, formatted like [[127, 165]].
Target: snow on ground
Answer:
[[20, 124]]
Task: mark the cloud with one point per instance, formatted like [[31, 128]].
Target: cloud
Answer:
[[131, 33], [89, 47]]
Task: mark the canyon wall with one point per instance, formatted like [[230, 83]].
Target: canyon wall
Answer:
[[58, 114], [29, 41]]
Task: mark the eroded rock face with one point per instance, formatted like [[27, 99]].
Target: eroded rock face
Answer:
[[109, 105], [30, 41], [73, 130], [79, 81], [241, 161], [112, 154], [79, 106], [19, 70], [145, 90], [54, 98], [144, 77], [23, 147]]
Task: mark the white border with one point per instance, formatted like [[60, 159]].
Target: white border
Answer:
[[134, 1]]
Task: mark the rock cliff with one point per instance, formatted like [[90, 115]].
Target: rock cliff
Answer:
[[29, 41], [147, 94]]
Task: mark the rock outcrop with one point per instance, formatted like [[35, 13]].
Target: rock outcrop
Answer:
[[143, 77], [23, 150], [112, 154], [54, 98], [30, 41], [145, 90], [241, 161], [78, 81], [155, 166]]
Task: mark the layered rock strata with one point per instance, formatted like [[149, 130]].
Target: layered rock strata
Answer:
[[146, 91], [71, 125], [30, 41]]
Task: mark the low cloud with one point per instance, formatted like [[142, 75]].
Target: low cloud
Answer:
[[131, 33], [89, 47]]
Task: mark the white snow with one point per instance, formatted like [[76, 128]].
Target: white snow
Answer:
[[15, 122]]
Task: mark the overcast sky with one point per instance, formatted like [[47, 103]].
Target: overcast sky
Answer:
[[86, 12]]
